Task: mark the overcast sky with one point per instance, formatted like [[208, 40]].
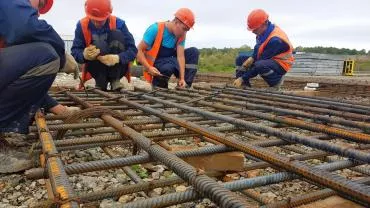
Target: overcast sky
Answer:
[[219, 23]]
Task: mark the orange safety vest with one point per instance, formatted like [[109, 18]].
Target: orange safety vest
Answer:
[[88, 39], [152, 54], [285, 59]]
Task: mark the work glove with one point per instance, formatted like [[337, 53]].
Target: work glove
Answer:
[[71, 66], [109, 60], [238, 82], [248, 62], [91, 52]]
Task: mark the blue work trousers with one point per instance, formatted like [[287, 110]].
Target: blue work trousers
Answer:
[[169, 66], [268, 69], [26, 73], [108, 43]]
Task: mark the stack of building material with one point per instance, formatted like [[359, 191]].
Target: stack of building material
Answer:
[[315, 64]]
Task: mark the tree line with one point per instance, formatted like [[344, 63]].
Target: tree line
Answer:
[[223, 60]]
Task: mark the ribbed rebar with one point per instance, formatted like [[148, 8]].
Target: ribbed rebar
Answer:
[[322, 177], [271, 108], [355, 136], [290, 137], [328, 101], [241, 96], [207, 186], [309, 197], [71, 126], [309, 100], [191, 195], [60, 186], [129, 189], [117, 137]]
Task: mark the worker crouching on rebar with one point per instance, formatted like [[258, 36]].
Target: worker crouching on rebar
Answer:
[[104, 44], [162, 52], [272, 56], [31, 54]]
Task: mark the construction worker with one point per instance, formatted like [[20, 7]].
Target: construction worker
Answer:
[[162, 53], [31, 54], [104, 44], [272, 56]]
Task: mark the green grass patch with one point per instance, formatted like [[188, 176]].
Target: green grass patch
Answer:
[[363, 65], [143, 173]]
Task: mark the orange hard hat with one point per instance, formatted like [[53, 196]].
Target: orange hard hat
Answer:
[[47, 6], [98, 10], [256, 18], [186, 16]]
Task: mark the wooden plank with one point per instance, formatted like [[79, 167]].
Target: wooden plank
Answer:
[[229, 161], [332, 202]]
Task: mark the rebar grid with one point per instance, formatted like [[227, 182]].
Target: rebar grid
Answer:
[[206, 111]]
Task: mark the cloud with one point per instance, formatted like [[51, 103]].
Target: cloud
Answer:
[[223, 23]]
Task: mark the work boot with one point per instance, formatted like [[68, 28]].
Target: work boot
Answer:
[[116, 85], [13, 159], [14, 139], [189, 87]]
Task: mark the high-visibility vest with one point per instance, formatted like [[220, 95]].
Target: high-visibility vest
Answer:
[[152, 54], [286, 59], [88, 39]]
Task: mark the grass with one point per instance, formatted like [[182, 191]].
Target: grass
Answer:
[[143, 173], [221, 69], [363, 66]]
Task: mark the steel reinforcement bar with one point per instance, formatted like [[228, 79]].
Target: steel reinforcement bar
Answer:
[[205, 185], [355, 136], [61, 188], [290, 137], [355, 190], [271, 108], [282, 103]]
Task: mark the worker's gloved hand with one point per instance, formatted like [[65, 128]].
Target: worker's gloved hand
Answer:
[[71, 66], [109, 60], [91, 52], [248, 62], [238, 82], [153, 71]]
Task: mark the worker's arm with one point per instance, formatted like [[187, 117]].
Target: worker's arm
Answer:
[[274, 47], [131, 51], [49, 102], [141, 58], [147, 42], [181, 59], [255, 51], [19, 24], [78, 45]]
